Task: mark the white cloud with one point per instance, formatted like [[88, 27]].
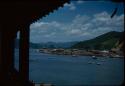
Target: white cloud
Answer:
[[49, 35], [82, 27], [71, 6], [104, 16], [45, 25], [80, 1], [75, 32]]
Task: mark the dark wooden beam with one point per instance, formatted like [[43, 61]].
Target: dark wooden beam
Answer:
[[6, 53], [24, 53]]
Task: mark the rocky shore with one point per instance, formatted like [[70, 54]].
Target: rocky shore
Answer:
[[78, 52]]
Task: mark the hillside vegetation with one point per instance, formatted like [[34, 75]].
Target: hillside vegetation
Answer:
[[106, 41]]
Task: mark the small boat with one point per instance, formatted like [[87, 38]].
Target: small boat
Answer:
[[94, 57], [98, 63], [74, 55]]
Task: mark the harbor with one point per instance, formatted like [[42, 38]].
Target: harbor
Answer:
[[78, 52]]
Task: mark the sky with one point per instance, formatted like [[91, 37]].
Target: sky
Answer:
[[78, 21]]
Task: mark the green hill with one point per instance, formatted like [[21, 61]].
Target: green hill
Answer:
[[106, 41]]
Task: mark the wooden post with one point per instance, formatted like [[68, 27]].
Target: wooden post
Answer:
[[6, 53], [1, 55], [24, 54]]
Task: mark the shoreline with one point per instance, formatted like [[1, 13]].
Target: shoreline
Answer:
[[77, 52]]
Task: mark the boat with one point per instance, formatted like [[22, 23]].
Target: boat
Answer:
[[98, 63], [74, 55], [94, 57], [91, 62]]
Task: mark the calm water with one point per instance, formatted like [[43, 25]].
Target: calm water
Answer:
[[68, 70]]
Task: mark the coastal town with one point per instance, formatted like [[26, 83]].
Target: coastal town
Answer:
[[78, 52]]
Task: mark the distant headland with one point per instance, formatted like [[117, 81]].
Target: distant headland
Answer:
[[107, 45]]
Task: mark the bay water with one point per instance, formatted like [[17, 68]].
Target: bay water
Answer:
[[73, 70]]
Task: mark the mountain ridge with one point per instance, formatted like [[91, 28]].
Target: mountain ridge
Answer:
[[47, 44], [105, 41]]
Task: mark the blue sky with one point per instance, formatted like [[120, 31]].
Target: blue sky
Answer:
[[77, 21]]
